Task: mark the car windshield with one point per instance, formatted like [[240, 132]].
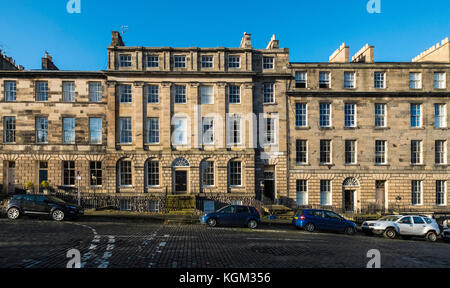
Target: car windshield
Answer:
[[56, 200], [389, 218]]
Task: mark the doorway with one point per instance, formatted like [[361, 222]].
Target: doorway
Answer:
[[11, 188], [269, 184], [349, 200], [380, 195], [43, 173], [181, 185]]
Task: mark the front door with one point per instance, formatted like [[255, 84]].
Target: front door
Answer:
[[269, 186], [43, 173], [11, 177], [349, 200], [380, 194], [181, 182]]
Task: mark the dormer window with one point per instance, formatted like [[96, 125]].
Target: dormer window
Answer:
[[207, 61], [125, 60], [324, 79], [234, 62], [152, 61], [179, 61], [268, 63]]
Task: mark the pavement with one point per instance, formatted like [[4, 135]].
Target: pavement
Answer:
[[126, 243]]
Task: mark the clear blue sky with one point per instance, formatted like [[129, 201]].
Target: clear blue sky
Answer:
[[312, 29]]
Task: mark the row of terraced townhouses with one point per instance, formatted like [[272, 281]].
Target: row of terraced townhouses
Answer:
[[232, 125]]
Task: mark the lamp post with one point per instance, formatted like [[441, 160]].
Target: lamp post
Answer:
[[79, 188]]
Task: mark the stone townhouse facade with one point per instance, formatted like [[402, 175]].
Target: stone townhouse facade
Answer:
[[233, 124]]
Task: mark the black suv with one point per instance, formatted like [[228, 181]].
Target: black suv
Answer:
[[36, 205]]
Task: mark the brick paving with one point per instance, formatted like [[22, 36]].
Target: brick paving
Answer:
[[125, 244]]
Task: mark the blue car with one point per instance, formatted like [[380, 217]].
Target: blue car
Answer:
[[234, 215], [314, 219]]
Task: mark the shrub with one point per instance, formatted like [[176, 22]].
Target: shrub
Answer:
[[29, 185]]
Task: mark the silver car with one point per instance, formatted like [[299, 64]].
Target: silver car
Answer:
[[406, 226]]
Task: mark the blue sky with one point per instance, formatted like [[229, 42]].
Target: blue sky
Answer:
[[312, 29]]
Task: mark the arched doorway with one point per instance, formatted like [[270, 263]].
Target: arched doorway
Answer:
[[350, 188], [180, 168]]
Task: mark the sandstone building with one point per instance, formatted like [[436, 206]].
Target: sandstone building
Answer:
[[232, 124]]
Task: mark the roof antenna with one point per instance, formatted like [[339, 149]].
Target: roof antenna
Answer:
[[123, 29]]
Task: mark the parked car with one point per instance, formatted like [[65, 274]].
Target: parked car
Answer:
[[446, 235], [37, 205], [315, 219], [406, 226], [233, 215]]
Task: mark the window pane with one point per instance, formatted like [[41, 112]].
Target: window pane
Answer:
[[125, 131], [10, 91], [95, 92], [95, 130], [69, 130]]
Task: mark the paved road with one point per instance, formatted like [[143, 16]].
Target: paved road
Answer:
[[44, 244]]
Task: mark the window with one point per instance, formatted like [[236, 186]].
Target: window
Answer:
[[350, 152], [208, 131], [69, 130], [95, 172], [416, 152], [207, 61], [234, 62], [270, 131], [68, 173], [95, 92], [302, 152], [95, 130], [180, 94], [234, 94], [325, 151], [301, 115], [235, 129], [325, 114], [153, 206], [324, 79], [350, 115], [416, 187], [152, 130], [125, 131], [268, 90], [41, 130], [235, 173], [125, 60], [440, 115], [152, 173], [415, 80], [325, 192], [416, 115], [179, 61], [439, 80], [300, 79], [42, 91], [380, 152], [152, 61], [418, 220], [380, 80], [125, 173], [151, 93], [125, 205], [125, 94], [380, 115], [10, 91], [441, 192], [68, 91], [207, 173], [10, 130], [180, 131], [268, 62], [441, 152], [207, 94], [302, 192], [349, 80]]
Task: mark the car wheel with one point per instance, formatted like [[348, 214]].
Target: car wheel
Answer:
[[431, 236], [310, 227], [390, 233], [252, 224], [13, 213], [212, 222], [350, 231], [58, 215]]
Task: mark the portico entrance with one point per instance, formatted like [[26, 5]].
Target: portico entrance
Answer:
[[180, 168], [349, 193]]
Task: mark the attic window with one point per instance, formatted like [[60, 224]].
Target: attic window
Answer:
[[324, 79], [125, 60], [267, 63]]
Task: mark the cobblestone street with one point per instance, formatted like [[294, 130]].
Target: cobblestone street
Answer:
[[44, 244]]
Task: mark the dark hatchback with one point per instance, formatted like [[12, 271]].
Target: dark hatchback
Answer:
[[316, 219], [42, 205], [234, 215]]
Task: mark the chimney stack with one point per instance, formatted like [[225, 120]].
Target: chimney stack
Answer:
[[246, 41], [274, 43], [365, 55], [116, 39], [341, 55], [439, 53], [47, 63]]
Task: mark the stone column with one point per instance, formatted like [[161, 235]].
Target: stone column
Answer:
[[112, 115], [139, 119], [165, 115]]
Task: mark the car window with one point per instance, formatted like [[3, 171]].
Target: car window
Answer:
[[242, 209], [405, 220], [317, 214], [18, 197], [418, 220], [28, 198], [229, 210], [40, 198], [332, 215], [428, 220]]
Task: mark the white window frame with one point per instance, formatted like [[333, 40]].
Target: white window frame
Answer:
[[153, 128], [301, 117], [207, 94], [207, 61], [153, 63], [379, 80], [413, 191], [232, 63], [379, 152], [208, 131], [445, 192], [180, 93], [440, 80], [382, 116], [268, 62], [91, 131], [179, 61], [68, 92], [298, 163], [349, 83], [325, 79], [125, 60], [304, 193], [328, 115], [268, 93], [330, 192], [10, 91], [354, 152], [128, 129], [180, 132], [442, 153], [235, 124], [95, 94], [230, 94], [70, 131], [301, 77], [125, 93], [151, 92], [415, 116], [440, 115], [420, 152], [415, 80], [350, 115]]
